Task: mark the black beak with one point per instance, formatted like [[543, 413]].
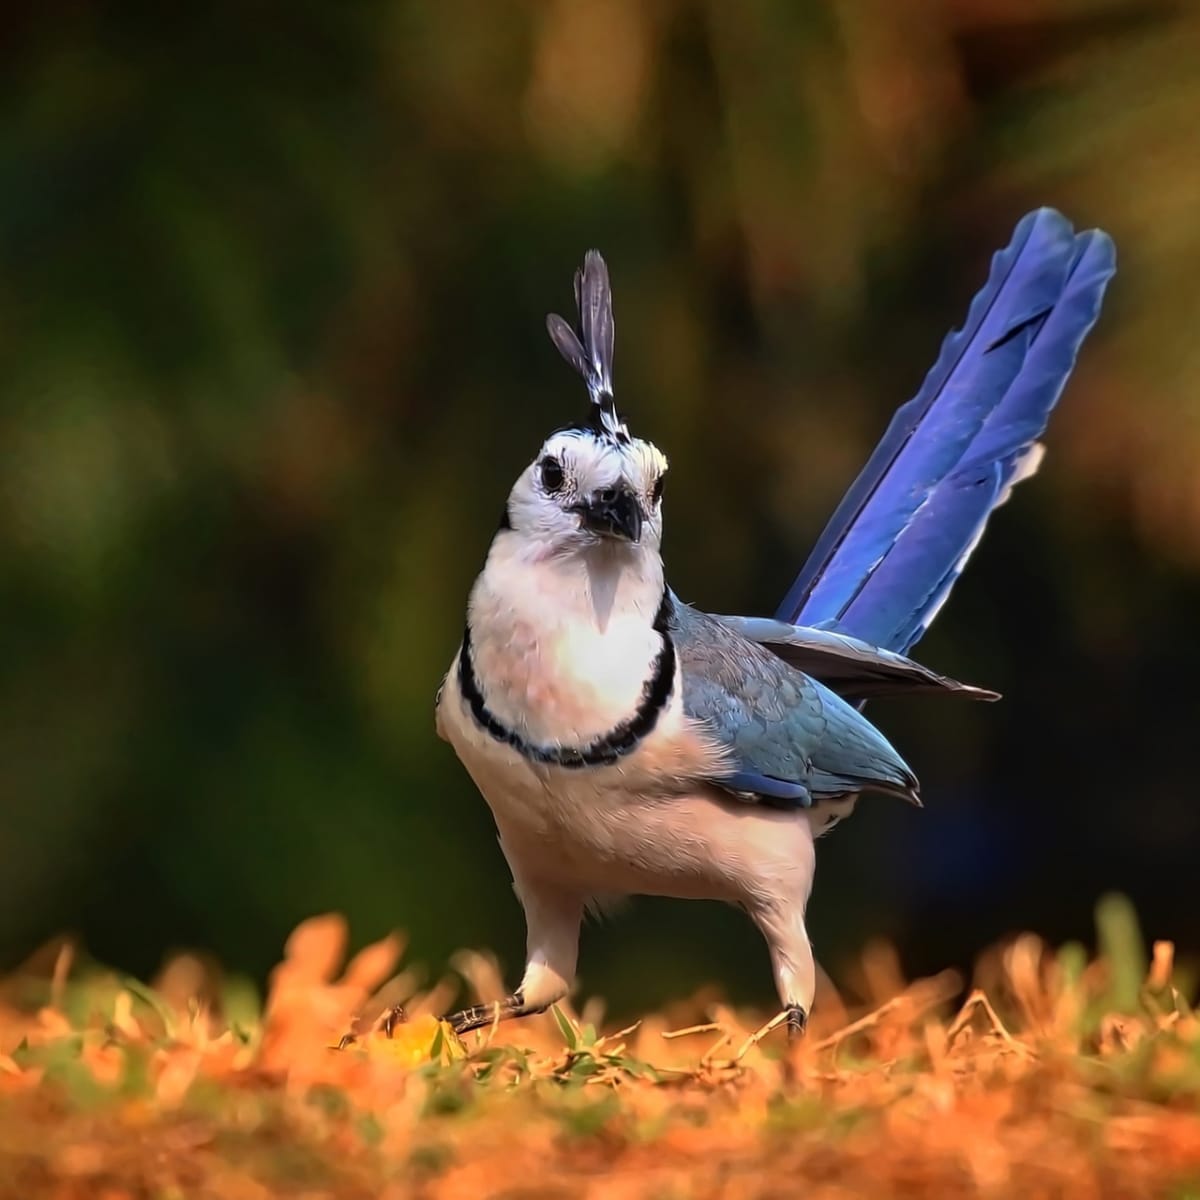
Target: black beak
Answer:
[[613, 512]]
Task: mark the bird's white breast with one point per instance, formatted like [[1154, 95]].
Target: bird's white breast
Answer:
[[562, 649], [634, 827], [562, 659]]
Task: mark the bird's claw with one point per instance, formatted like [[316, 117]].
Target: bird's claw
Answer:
[[387, 1023], [393, 1017]]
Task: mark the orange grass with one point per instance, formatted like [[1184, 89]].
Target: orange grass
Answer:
[[1057, 1077]]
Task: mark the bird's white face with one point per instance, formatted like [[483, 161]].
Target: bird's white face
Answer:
[[585, 489]]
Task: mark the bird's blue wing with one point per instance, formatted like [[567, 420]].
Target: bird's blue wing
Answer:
[[901, 536], [854, 669], [789, 739]]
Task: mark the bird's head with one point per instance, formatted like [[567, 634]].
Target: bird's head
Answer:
[[591, 483]]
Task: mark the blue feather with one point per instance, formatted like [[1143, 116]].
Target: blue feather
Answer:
[[902, 534], [755, 783]]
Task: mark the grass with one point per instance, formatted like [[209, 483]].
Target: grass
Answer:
[[1058, 1076]]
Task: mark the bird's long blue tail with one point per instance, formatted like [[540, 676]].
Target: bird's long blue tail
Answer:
[[899, 539]]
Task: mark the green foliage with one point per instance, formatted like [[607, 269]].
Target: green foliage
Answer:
[[565, 1027], [1121, 945]]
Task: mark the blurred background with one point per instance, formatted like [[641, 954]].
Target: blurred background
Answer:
[[272, 289]]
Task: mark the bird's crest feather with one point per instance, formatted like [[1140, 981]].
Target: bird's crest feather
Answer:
[[590, 350]]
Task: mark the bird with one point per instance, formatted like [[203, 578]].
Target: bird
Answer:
[[628, 743]]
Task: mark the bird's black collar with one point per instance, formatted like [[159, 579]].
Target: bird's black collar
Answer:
[[619, 741]]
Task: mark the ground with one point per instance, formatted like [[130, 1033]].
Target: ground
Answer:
[[1058, 1076]]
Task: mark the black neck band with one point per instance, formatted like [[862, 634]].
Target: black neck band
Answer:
[[605, 750]]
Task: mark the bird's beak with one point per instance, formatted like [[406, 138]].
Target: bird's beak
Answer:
[[613, 512]]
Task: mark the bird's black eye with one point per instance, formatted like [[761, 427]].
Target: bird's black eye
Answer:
[[552, 474], [656, 494]]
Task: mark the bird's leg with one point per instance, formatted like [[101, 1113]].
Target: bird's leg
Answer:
[[552, 918], [797, 1022], [782, 924]]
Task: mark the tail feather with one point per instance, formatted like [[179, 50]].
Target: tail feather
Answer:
[[893, 549]]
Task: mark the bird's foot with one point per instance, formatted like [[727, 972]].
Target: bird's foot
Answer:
[[387, 1023], [393, 1017], [482, 1015], [476, 1017]]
